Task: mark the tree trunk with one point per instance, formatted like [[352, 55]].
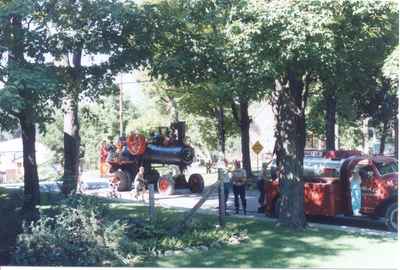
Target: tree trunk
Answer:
[[71, 146], [71, 128], [174, 109], [330, 119], [365, 136], [383, 136], [27, 121], [221, 128], [396, 137], [245, 135], [31, 178], [289, 106]]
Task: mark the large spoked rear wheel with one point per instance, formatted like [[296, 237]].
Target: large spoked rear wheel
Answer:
[[277, 208], [166, 185], [124, 181], [391, 217], [152, 178], [196, 183]]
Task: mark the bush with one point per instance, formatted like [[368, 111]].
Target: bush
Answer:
[[10, 224], [75, 235], [79, 232], [146, 238]]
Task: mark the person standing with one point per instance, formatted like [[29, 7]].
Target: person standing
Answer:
[[208, 167], [260, 186], [226, 182], [239, 178], [103, 159], [355, 182], [111, 149], [139, 183]]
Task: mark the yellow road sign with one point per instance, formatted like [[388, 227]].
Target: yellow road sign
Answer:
[[257, 147]]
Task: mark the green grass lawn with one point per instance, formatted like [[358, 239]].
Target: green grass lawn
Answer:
[[268, 246], [273, 247]]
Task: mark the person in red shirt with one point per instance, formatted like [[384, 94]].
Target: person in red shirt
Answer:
[[103, 159]]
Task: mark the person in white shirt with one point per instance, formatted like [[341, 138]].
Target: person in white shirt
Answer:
[[239, 178], [226, 180], [139, 183], [355, 182]]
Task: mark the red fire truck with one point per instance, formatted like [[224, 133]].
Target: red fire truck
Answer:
[[327, 186]]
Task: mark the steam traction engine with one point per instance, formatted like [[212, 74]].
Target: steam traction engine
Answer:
[[166, 147]]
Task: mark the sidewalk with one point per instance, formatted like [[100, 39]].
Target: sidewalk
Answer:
[[183, 200]]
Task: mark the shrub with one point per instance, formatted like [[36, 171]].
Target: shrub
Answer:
[[145, 238], [79, 232], [74, 236], [10, 224]]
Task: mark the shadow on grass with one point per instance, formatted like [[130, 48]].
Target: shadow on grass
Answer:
[[270, 246]]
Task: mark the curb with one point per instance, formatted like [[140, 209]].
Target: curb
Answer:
[[310, 225], [262, 217]]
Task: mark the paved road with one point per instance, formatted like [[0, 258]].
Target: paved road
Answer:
[[184, 199]]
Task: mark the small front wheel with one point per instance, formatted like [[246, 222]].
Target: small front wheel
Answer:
[[166, 185], [391, 217]]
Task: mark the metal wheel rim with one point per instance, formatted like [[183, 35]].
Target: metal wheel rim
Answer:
[[115, 179], [163, 184], [393, 219]]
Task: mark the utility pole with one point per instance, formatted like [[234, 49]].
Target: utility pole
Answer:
[[121, 120]]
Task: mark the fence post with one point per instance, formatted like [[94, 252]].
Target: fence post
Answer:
[[152, 212], [221, 196]]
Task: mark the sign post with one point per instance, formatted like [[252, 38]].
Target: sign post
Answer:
[[257, 148]]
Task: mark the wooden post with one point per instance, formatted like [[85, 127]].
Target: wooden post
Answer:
[[152, 212], [257, 163], [221, 198], [188, 217]]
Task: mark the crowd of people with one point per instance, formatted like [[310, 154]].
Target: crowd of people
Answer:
[[235, 179]]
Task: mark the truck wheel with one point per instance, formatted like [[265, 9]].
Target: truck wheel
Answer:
[[124, 180], [166, 185], [196, 183], [152, 178], [277, 207], [180, 181], [391, 217]]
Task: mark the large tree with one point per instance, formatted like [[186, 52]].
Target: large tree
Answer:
[[302, 43], [29, 83], [390, 71], [98, 120], [88, 38], [365, 32], [293, 41], [205, 101], [207, 44]]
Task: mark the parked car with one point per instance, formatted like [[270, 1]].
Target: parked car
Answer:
[[50, 186], [97, 187], [327, 192]]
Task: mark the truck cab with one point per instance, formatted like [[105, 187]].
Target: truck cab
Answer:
[[327, 187]]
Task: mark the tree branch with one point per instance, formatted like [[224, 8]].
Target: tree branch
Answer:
[[235, 112]]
